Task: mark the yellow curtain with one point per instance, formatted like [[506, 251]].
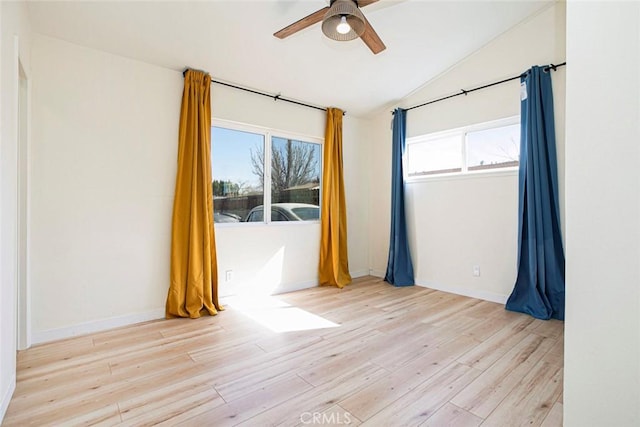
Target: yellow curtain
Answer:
[[193, 290], [334, 261]]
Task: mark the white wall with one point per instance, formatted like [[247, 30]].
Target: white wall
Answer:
[[356, 156], [14, 32], [456, 223], [105, 143], [103, 171], [379, 193], [602, 326]]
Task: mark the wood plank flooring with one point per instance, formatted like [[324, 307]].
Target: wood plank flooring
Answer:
[[393, 357]]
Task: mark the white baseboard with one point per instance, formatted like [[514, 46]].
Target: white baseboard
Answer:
[[96, 326], [359, 273], [377, 273], [292, 287], [6, 397], [115, 322], [283, 289], [473, 293]]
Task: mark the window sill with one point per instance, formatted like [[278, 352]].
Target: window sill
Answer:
[[264, 224], [495, 173]]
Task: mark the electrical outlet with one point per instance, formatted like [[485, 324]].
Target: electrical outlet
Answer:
[[228, 275], [476, 271]]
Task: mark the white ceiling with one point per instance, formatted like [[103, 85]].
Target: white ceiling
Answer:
[[233, 41]]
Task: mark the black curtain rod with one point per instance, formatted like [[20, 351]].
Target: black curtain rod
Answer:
[[466, 92], [274, 97]]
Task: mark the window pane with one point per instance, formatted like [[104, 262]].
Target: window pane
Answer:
[[256, 215], [307, 213], [493, 148], [237, 171], [440, 155], [278, 215], [295, 179]]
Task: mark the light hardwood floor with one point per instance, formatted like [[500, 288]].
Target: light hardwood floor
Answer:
[[397, 356]]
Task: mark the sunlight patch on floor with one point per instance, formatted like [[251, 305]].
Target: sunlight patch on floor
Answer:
[[277, 315]]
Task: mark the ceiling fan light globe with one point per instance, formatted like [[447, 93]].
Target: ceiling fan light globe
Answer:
[[343, 11]]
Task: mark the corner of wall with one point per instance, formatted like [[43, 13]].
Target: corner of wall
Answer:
[[467, 292]]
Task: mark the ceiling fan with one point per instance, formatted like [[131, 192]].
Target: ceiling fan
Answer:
[[342, 20]]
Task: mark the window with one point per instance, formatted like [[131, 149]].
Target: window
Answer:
[[486, 146], [295, 180], [437, 155], [493, 148], [236, 187], [253, 168]]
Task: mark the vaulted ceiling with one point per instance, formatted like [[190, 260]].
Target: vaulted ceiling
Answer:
[[233, 40]]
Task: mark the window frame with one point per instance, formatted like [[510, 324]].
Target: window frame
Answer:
[[269, 133], [461, 132]]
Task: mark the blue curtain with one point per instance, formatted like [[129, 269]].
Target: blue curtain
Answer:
[[399, 266], [539, 288]]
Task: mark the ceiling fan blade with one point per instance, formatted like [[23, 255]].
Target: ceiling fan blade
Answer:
[[305, 22], [363, 3], [371, 38]]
